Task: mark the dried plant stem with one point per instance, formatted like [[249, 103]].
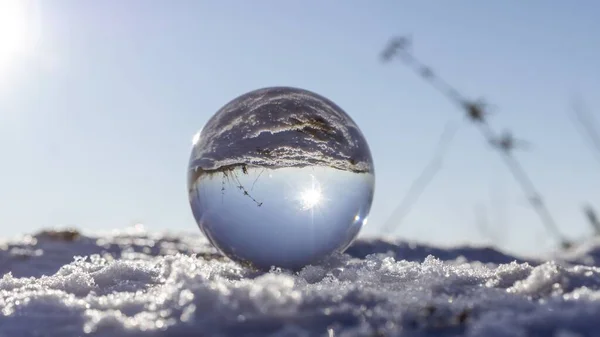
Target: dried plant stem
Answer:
[[475, 111], [425, 177], [588, 128]]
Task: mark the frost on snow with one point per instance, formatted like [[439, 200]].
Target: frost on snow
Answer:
[[141, 284]]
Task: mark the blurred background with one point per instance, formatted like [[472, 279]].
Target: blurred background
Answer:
[[99, 101]]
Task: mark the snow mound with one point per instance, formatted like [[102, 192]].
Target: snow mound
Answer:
[[143, 284]]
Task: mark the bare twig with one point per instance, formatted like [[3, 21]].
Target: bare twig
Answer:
[[507, 142], [229, 176], [592, 219], [491, 224], [497, 203], [482, 222], [425, 177], [476, 112], [587, 127], [255, 180], [241, 187]]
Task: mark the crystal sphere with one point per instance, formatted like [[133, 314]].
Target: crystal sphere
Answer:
[[280, 177]]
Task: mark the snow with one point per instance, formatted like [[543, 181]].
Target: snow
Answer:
[[135, 283]]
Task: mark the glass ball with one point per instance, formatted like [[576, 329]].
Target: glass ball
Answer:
[[280, 177]]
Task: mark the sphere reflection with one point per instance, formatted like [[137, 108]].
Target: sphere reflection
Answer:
[[280, 177]]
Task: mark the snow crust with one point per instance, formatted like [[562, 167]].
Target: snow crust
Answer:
[[136, 283]]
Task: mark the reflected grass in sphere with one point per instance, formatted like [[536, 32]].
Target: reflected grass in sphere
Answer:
[[280, 177]]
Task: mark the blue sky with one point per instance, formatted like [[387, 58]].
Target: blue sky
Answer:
[[97, 114]]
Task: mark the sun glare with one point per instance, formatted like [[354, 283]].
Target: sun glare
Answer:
[[311, 196], [196, 138], [18, 32]]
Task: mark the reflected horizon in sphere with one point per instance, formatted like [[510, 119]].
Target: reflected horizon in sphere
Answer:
[[280, 177]]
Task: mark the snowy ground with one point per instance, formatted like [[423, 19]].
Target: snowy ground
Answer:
[[144, 284]]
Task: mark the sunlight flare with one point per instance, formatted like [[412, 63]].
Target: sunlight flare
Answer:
[[19, 30], [312, 195]]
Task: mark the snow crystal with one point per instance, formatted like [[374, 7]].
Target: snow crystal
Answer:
[[144, 284]]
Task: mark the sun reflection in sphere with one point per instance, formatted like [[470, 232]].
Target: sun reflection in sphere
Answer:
[[312, 196], [280, 176]]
